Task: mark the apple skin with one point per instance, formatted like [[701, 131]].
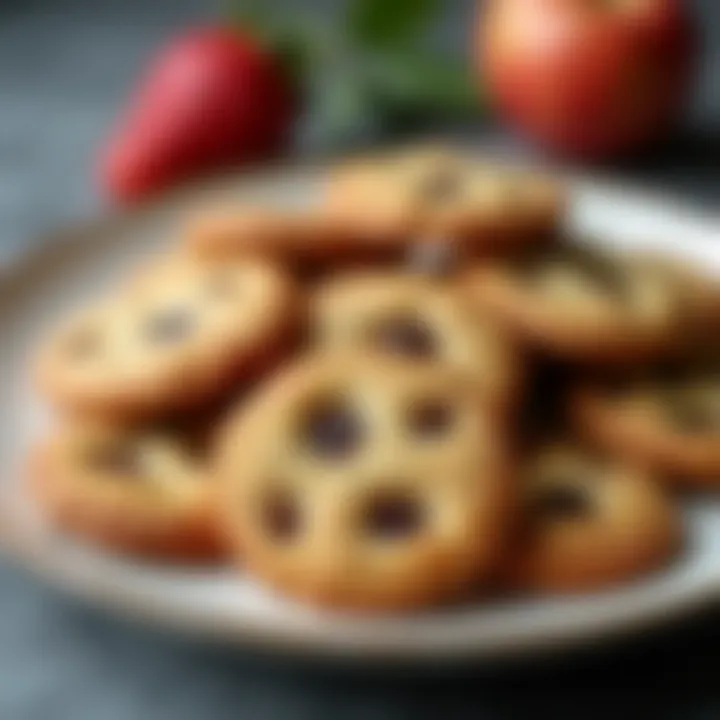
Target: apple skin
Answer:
[[591, 79]]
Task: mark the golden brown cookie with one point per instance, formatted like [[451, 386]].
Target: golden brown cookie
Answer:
[[589, 523], [579, 304], [302, 239], [143, 492], [700, 294], [181, 334], [366, 484], [434, 194], [419, 319], [668, 421]]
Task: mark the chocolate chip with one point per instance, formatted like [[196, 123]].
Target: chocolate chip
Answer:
[[405, 336], [393, 516], [119, 459], [281, 516], [561, 502], [431, 419], [170, 326], [333, 430]]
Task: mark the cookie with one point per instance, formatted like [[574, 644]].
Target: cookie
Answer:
[[589, 523], [419, 319], [668, 421], [366, 484], [433, 194], [700, 294], [142, 492], [580, 305], [180, 335], [302, 239]]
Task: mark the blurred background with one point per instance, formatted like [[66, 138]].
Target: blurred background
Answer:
[[69, 69]]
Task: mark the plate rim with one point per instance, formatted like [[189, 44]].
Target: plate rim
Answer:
[[74, 237], [24, 550]]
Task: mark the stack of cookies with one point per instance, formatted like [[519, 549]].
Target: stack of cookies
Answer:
[[417, 392]]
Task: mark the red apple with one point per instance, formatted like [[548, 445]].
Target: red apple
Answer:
[[589, 78]]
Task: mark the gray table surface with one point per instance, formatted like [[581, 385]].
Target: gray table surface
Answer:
[[65, 67]]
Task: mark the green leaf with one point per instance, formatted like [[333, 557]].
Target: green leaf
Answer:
[[301, 50], [250, 14], [415, 82], [342, 107], [389, 22], [371, 77]]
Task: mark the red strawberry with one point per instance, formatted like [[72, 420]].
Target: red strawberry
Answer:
[[212, 98]]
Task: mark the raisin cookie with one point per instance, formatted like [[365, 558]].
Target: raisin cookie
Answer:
[[180, 335], [365, 484], [419, 319], [578, 304], [140, 492], [434, 194], [668, 421], [589, 523]]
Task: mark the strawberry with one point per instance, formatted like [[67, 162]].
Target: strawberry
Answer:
[[213, 97]]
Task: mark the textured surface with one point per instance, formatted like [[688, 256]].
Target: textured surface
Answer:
[[64, 69]]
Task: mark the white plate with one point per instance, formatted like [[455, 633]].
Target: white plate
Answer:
[[36, 291]]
